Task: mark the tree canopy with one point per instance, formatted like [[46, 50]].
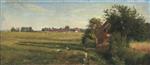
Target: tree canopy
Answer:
[[90, 32], [125, 20], [126, 24]]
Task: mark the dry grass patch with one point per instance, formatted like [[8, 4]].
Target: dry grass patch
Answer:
[[141, 46]]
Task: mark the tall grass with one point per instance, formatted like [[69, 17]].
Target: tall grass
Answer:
[[141, 46]]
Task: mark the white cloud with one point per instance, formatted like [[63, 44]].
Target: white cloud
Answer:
[[57, 14], [35, 8]]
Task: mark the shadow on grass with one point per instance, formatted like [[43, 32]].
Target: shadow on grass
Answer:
[[54, 45]]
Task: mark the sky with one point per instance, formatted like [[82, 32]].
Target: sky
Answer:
[[59, 13]]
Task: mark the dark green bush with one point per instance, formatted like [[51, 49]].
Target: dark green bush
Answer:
[[121, 54]]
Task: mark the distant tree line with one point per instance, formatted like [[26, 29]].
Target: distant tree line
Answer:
[[65, 29], [22, 29]]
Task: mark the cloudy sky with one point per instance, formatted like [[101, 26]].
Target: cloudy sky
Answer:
[[58, 13]]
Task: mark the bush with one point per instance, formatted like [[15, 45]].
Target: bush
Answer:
[[121, 54], [117, 49]]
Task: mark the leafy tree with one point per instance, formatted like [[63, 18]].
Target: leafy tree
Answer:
[[126, 24], [67, 27], [14, 29], [89, 34], [126, 21]]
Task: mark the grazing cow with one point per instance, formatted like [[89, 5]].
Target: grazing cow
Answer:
[[102, 37]]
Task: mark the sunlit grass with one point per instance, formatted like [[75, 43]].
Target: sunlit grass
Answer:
[[32, 48], [141, 46]]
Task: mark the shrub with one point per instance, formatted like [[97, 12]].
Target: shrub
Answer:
[[117, 48]]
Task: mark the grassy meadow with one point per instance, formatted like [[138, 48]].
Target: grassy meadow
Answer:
[[46, 48]]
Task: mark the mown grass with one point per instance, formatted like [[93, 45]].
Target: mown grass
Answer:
[[54, 36], [41, 48], [46, 48]]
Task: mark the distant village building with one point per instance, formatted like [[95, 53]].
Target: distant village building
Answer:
[[26, 29]]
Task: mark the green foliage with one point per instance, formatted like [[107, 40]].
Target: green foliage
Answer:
[[117, 61], [126, 25], [120, 54], [147, 31], [94, 24], [117, 49], [126, 21], [97, 57], [90, 32], [132, 57], [14, 29]]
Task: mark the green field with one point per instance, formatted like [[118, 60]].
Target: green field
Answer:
[[41, 48], [45, 48]]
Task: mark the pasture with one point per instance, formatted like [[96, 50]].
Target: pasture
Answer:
[[44, 48], [41, 48]]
